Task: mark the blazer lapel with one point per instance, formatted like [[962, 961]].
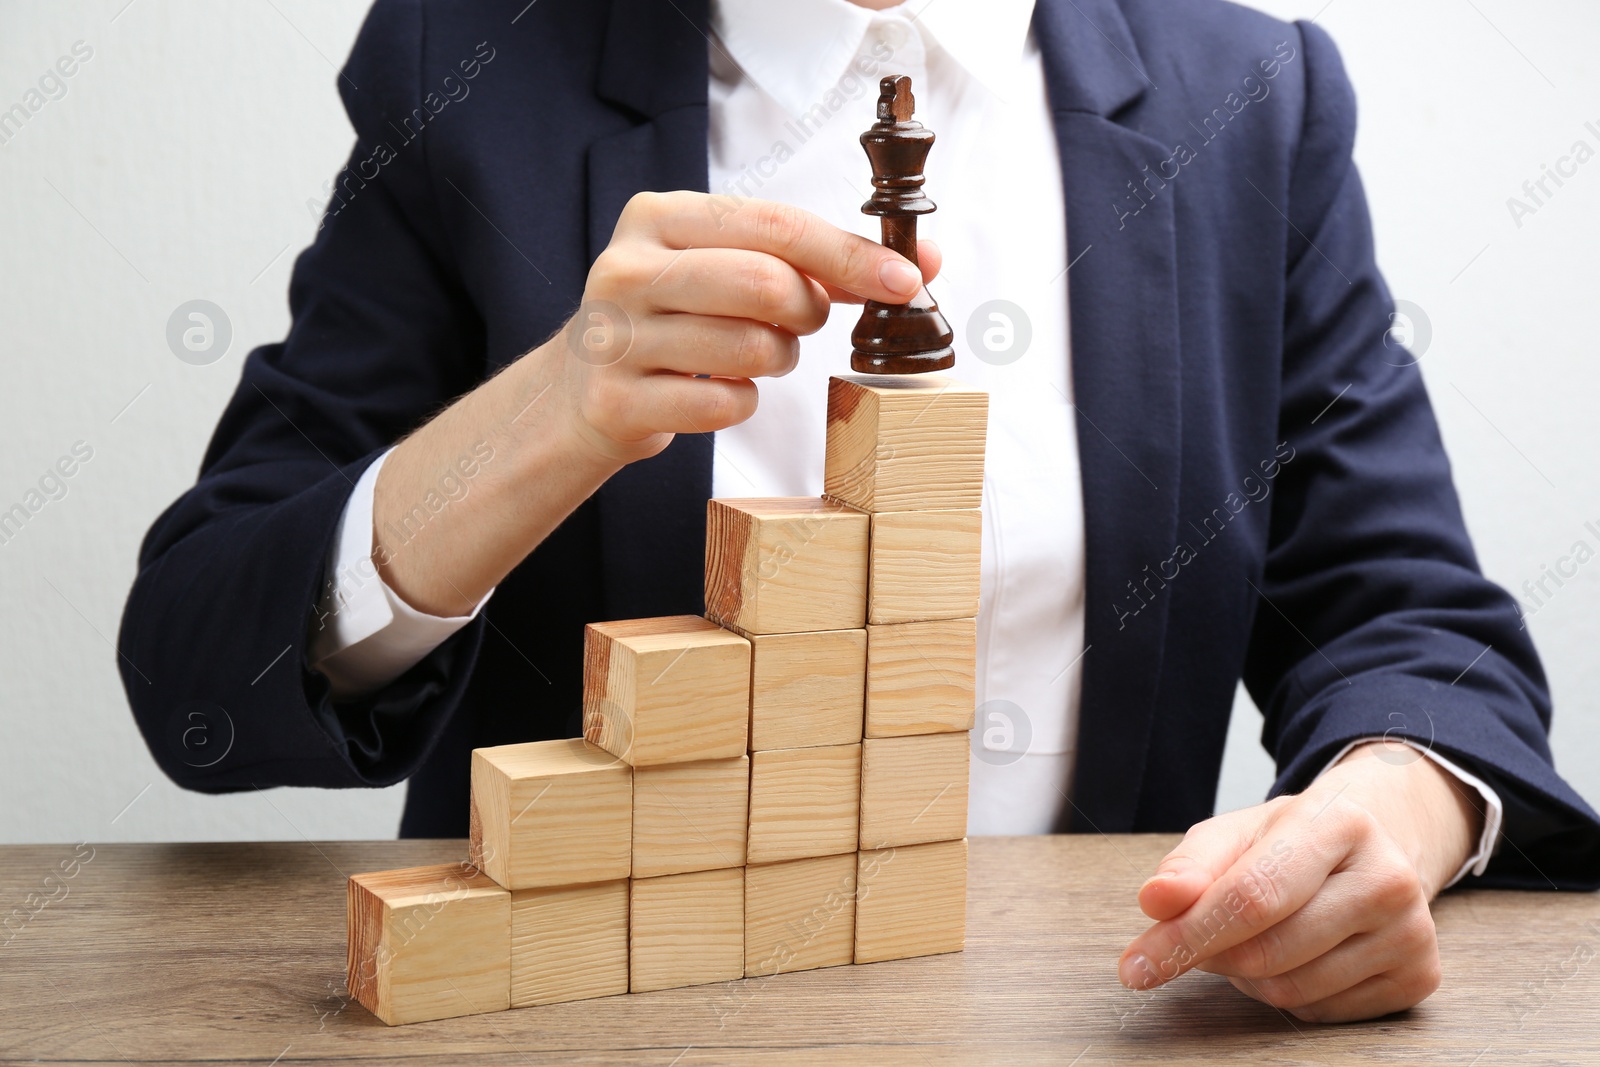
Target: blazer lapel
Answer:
[[1126, 369], [652, 513]]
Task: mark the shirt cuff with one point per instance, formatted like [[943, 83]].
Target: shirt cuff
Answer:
[[364, 636], [1493, 810]]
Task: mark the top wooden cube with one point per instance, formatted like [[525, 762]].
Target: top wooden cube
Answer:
[[786, 565], [666, 690], [905, 443]]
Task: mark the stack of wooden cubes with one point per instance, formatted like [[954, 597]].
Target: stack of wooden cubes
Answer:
[[778, 786]]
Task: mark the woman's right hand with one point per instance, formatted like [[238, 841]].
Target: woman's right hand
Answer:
[[695, 296]]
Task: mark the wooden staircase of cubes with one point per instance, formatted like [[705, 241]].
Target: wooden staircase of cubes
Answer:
[[779, 786]]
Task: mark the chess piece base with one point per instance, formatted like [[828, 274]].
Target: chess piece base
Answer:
[[920, 363], [910, 338]]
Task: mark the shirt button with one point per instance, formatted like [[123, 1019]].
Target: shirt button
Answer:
[[891, 35]]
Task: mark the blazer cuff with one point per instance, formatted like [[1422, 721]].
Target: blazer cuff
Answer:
[[1493, 809], [364, 636]]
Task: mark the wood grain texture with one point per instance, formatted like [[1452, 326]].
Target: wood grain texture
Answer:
[[799, 915], [428, 943], [924, 565], [690, 816], [686, 929], [569, 943], [911, 901], [908, 443], [804, 802], [807, 689], [136, 958], [785, 565], [921, 677], [914, 789], [548, 813], [666, 690]]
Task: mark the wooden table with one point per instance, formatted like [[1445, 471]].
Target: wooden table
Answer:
[[232, 953]]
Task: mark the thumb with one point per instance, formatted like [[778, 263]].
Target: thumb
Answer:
[[1204, 854]]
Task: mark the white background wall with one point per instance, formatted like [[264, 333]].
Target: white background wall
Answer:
[[178, 165]]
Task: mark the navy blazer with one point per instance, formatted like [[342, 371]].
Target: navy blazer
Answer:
[[1265, 491]]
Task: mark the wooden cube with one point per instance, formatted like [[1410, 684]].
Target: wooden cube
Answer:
[[690, 816], [807, 689], [428, 943], [924, 565], [686, 929], [785, 565], [804, 802], [911, 901], [913, 789], [905, 443], [569, 943], [799, 914], [666, 690], [921, 677], [551, 813]]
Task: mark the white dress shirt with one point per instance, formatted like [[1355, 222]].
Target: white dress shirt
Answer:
[[792, 87]]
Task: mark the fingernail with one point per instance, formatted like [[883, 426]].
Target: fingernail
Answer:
[[900, 276], [1159, 875], [1135, 972]]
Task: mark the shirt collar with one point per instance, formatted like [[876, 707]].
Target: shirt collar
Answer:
[[797, 50]]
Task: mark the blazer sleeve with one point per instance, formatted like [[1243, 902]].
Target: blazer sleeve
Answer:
[[1374, 619], [213, 645]]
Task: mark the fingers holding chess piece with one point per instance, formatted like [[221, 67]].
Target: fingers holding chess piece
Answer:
[[914, 337]]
